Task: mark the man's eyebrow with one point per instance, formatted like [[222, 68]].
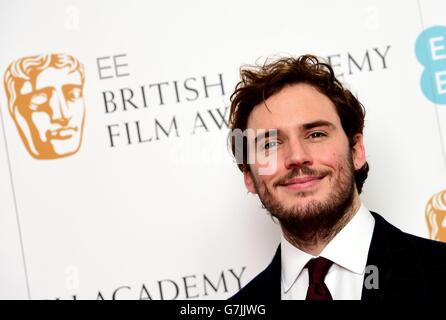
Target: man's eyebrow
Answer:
[[72, 85], [44, 88], [317, 123]]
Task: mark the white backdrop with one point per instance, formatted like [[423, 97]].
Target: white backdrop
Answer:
[[170, 218]]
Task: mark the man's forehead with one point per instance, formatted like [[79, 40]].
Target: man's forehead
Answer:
[[294, 106], [54, 77]]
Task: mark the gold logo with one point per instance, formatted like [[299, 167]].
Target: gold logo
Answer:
[[46, 102], [436, 216]]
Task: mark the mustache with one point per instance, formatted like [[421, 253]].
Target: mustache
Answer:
[[300, 171]]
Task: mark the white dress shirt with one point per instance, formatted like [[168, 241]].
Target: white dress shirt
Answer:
[[348, 250]]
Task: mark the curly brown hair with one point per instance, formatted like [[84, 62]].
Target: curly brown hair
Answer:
[[258, 83]]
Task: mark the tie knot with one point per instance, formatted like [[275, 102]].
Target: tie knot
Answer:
[[317, 269]]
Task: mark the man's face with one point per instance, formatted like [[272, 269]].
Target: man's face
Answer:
[[50, 113], [314, 165]]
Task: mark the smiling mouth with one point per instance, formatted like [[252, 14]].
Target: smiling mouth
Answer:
[[300, 183]]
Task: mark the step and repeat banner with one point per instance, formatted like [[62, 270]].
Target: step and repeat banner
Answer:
[[115, 178]]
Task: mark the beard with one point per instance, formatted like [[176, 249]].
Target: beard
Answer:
[[317, 220]]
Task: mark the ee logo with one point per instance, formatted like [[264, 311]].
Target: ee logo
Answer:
[[430, 49]]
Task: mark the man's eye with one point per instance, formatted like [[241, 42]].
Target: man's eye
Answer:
[[270, 144], [316, 135], [39, 99], [74, 94]]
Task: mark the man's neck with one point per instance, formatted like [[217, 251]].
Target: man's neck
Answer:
[[316, 244]]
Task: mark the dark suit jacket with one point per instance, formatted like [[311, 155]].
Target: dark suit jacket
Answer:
[[409, 268]]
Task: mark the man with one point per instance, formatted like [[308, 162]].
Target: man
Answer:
[[310, 128], [45, 99]]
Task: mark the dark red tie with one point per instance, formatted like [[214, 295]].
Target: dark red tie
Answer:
[[317, 270]]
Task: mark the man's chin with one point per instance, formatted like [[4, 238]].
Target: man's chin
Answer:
[[302, 202], [65, 147], [292, 198]]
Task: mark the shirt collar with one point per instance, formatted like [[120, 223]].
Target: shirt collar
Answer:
[[348, 249]]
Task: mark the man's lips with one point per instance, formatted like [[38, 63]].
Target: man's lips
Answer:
[[62, 133], [299, 183]]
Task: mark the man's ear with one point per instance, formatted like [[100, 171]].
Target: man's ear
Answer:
[[249, 182], [358, 151]]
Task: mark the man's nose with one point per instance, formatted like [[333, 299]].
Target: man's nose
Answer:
[[60, 111], [297, 154]]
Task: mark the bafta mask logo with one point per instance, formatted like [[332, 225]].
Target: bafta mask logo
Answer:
[[436, 216], [46, 102]]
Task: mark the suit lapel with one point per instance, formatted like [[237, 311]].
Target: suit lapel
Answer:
[[379, 256], [393, 255], [272, 277]]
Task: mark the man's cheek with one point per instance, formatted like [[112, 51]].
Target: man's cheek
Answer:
[[42, 122], [268, 164], [77, 114], [260, 181], [332, 160]]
